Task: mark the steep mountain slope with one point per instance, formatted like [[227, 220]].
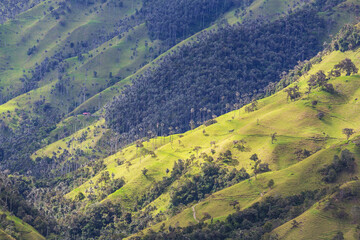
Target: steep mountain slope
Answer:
[[10, 8], [62, 59], [325, 219], [292, 169], [57, 55], [292, 172], [14, 228]]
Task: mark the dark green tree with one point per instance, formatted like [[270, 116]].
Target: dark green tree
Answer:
[[271, 183], [346, 66], [348, 132]]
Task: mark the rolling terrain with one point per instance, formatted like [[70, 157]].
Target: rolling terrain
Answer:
[[98, 142]]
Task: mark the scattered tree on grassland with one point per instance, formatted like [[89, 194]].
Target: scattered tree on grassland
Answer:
[[346, 66], [273, 138], [318, 80], [197, 149], [295, 224], [144, 172], [346, 162], [252, 107], [254, 157], [293, 93], [271, 183], [348, 132]]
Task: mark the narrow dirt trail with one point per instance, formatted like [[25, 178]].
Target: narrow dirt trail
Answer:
[[194, 213]]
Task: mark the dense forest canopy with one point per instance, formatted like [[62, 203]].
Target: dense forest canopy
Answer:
[[205, 75], [172, 20]]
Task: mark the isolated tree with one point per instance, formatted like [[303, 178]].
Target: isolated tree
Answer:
[[295, 224], [328, 87], [138, 145], [347, 66], [309, 88], [320, 115], [105, 176], [206, 216], [293, 93], [144, 172], [318, 80], [312, 82], [339, 236], [234, 203], [80, 196], [254, 157], [271, 183], [273, 138], [321, 78], [348, 132], [192, 124], [334, 73], [197, 149], [256, 167]]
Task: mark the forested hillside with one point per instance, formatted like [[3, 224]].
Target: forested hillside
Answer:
[[220, 71], [175, 20], [10, 8], [155, 119]]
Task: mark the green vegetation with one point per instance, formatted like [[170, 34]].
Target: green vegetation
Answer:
[[161, 120]]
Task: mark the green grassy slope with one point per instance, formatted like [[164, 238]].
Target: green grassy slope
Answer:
[[270, 9], [22, 230], [233, 16], [320, 222], [296, 124], [120, 56]]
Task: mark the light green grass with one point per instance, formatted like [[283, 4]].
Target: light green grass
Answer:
[[25, 231], [297, 126], [320, 223]]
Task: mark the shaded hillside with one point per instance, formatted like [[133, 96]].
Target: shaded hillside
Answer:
[[220, 71], [10, 8], [13, 192], [175, 20], [58, 55], [71, 175], [304, 146]]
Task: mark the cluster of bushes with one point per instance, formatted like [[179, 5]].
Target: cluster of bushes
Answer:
[[347, 39], [346, 162], [106, 185], [13, 192], [8, 226], [211, 179], [179, 168], [255, 222], [18, 144], [10, 8], [90, 224]]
